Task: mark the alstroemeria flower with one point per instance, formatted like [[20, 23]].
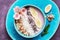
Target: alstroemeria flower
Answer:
[[19, 12], [16, 16], [16, 9], [24, 12]]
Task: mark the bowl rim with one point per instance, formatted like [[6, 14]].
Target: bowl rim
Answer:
[[42, 27]]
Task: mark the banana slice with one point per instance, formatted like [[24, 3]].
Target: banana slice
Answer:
[[48, 8], [36, 18], [33, 12], [38, 23]]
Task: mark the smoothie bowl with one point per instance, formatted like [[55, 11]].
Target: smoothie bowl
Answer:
[[29, 21]]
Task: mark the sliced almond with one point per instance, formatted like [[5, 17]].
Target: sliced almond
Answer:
[[26, 33], [22, 28]]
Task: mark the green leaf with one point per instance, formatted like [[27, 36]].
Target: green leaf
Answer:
[[45, 31], [46, 28]]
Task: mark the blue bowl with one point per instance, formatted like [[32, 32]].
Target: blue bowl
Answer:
[[40, 30]]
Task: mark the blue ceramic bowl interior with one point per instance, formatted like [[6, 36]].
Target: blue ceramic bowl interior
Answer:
[[38, 32]]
